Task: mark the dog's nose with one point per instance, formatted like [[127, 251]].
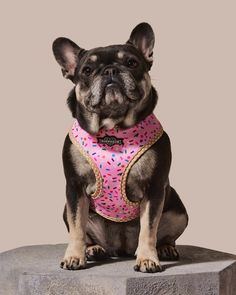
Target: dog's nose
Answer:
[[110, 71]]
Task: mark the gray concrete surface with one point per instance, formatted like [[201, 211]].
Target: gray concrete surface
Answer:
[[35, 270]]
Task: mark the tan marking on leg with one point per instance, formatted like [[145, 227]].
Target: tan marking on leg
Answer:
[[75, 253], [83, 168], [81, 165], [147, 259]]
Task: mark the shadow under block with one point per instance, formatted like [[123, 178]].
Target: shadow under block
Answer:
[[35, 270]]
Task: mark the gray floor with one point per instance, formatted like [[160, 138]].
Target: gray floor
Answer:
[[35, 270]]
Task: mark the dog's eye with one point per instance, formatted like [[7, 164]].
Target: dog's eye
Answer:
[[132, 63], [87, 71]]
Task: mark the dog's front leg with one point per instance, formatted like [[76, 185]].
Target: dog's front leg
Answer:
[[150, 214], [75, 253]]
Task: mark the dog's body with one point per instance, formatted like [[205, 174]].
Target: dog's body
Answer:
[[113, 90]]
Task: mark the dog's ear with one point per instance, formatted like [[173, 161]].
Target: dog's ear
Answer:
[[143, 38], [67, 54]]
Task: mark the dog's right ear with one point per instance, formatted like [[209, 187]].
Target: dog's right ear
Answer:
[[67, 54]]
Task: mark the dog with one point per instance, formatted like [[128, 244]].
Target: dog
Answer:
[[117, 157]]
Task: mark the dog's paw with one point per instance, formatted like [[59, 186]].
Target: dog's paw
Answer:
[[74, 257], [147, 260], [147, 265], [95, 252], [167, 253], [73, 263]]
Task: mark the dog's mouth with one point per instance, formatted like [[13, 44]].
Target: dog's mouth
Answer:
[[113, 94]]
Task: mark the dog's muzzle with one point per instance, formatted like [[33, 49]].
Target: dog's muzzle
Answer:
[[113, 94], [112, 90]]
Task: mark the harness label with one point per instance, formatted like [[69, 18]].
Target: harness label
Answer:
[[110, 140]]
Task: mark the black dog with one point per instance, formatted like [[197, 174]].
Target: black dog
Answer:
[[113, 91]]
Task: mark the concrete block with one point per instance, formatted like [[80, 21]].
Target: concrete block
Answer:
[[35, 270]]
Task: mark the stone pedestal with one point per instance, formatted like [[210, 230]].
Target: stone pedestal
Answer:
[[35, 270]]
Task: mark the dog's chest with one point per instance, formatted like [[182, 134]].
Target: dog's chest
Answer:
[[117, 162], [139, 173]]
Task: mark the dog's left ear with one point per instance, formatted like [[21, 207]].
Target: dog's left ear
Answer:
[[67, 54], [143, 38]]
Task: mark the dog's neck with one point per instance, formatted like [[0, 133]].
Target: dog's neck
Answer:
[[92, 122]]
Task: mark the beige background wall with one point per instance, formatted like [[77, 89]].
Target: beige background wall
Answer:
[[194, 73]]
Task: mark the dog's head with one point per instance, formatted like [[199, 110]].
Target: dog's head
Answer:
[[112, 84]]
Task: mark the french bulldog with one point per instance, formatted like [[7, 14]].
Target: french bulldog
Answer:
[[112, 93]]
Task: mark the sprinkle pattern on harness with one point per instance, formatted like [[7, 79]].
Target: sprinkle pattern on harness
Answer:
[[111, 162]]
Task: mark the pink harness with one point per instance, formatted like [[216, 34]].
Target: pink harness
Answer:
[[111, 154]]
